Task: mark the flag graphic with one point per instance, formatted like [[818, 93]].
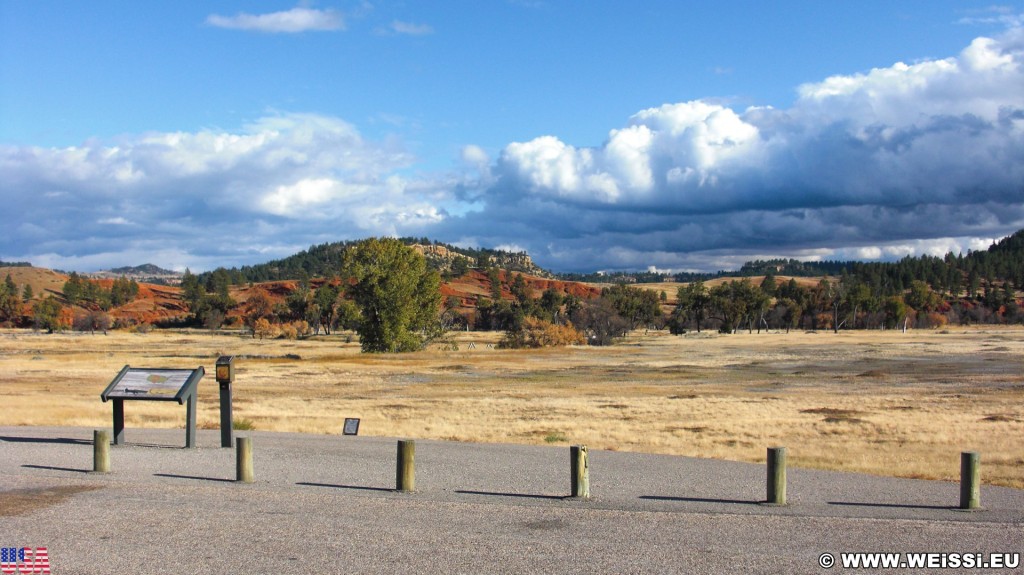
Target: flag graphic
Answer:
[[24, 561]]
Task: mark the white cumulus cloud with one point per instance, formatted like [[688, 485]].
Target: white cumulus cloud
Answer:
[[410, 28], [297, 19]]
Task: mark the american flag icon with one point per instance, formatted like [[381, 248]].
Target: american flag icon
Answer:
[[24, 561]]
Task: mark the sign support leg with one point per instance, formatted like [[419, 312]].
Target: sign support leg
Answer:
[[118, 422], [190, 422]]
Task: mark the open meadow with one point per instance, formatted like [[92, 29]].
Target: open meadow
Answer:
[[887, 403]]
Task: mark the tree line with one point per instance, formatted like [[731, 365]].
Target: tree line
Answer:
[[89, 293], [12, 301], [20, 308], [391, 297]]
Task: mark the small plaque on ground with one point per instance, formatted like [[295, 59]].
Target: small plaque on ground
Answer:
[[351, 426]]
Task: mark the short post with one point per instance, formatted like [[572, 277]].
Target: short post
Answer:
[[970, 485], [405, 476], [776, 475], [100, 451], [244, 460], [579, 464]]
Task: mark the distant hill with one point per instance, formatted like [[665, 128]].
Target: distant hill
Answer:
[[144, 269], [44, 282], [147, 273], [324, 261]]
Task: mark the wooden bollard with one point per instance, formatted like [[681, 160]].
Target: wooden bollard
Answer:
[[101, 451], [405, 474], [776, 476], [579, 464], [970, 484], [243, 456]]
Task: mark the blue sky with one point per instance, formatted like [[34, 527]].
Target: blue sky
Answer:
[[598, 135]]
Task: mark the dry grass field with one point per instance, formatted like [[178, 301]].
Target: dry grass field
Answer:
[[879, 402]]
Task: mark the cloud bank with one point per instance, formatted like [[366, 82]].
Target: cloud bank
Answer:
[[861, 163], [916, 158], [210, 198]]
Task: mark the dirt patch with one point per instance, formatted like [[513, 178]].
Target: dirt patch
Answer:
[[833, 415], [832, 419], [24, 501], [999, 417], [874, 373], [832, 412]]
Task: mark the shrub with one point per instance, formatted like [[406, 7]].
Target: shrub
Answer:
[[933, 320], [535, 333], [288, 331], [92, 321], [264, 329]]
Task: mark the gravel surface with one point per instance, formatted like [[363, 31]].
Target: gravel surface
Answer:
[[325, 504]]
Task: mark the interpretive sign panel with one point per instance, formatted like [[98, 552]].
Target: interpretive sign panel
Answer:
[[351, 426], [154, 384]]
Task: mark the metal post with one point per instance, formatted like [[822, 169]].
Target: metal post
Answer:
[[405, 475], [101, 451], [226, 421], [243, 455], [118, 421], [579, 465], [777, 475], [970, 484]]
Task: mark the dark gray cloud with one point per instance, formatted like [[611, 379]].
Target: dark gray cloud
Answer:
[[896, 161]]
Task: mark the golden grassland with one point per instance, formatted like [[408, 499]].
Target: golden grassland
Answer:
[[879, 402]]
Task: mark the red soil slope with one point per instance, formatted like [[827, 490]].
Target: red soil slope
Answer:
[[157, 303]]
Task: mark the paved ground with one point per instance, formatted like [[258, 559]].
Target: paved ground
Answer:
[[325, 504]]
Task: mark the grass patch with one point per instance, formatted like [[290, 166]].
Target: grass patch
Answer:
[[555, 437], [243, 424]]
